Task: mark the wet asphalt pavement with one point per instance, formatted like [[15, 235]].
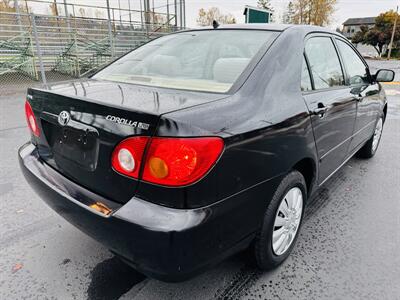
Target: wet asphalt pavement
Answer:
[[348, 247]]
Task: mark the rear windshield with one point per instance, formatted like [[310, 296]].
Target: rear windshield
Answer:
[[206, 60]]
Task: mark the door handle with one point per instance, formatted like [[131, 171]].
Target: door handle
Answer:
[[320, 111], [359, 98]]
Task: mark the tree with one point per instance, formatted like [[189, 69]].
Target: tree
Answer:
[[6, 6], [158, 18], [265, 4], [53, 9], [358, 37], [375, 38], [82, 12], [300, 11], [99, 14], [206, 17], [379, 35], [313, 12], [288, 15]]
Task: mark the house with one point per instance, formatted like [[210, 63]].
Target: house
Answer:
[[353, 25], [257, 15]]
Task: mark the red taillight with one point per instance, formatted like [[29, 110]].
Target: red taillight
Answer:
[[180, 161], [127, 156], [30, 118], [169, 161]]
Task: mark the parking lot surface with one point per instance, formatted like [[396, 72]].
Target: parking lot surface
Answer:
[[348, 247]]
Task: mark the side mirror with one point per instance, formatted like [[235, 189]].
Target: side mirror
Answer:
[[384, 75]]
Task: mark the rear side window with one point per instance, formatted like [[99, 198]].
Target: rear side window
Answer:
[[354, 66], [305, 77], [324, 63]]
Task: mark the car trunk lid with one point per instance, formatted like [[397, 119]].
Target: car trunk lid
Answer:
[[80, 127]]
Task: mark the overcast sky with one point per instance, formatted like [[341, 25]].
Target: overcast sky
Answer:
[[344, 9]]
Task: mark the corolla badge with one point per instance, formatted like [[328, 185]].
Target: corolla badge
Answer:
[[63, 118], [127, 122]]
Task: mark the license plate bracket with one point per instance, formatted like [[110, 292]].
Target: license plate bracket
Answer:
[[74, 143]]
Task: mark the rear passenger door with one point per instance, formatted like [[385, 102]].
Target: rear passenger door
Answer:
[[332, 106], [365, 92]]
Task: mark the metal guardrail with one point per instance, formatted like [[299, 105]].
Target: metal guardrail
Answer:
[[37, 45]]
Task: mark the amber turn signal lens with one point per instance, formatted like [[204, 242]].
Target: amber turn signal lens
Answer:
[[101, 208], [158, 167]]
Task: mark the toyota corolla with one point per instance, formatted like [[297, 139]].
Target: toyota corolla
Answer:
[[202, 143]]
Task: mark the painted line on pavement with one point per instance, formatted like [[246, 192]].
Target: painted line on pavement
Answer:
[[392, 83]]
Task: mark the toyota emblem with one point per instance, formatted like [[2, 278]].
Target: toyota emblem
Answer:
[[64, 117]]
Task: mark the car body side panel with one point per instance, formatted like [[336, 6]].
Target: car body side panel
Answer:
[[334, 129], [369, 107], [263, 125], [370, 102]]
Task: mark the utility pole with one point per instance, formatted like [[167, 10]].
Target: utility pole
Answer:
[[141, 14], [176, 14], [119, 10], [180, 14], [394, 31], [16, 6], [167, 13], [147, 11], [109, 29], [67, 15], [130, 17], [56, 13], [184, 13], [147, 16], [38, 49]]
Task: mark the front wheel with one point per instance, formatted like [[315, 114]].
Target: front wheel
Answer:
[[282, 221], [370, 147]]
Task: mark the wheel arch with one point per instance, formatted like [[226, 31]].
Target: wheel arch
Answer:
[[385, 112], [307, 167]]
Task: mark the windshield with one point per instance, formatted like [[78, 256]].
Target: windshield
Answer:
[[205, 60]]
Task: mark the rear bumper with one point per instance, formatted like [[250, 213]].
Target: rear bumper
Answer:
[[164, 243]]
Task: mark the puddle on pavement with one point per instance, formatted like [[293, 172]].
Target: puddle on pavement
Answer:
[[111, 279]]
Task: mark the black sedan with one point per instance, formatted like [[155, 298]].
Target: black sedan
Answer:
[[203, 143]]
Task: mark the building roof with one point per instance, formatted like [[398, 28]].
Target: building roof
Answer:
[[246, 7], [360, 21]]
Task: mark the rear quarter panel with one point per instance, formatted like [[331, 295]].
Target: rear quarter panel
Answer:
[[265, 125]]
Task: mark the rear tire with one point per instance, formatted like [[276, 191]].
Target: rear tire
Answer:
[[279, 223], [371, 146]]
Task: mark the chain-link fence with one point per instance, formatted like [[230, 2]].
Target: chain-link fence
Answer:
[[38, 49]]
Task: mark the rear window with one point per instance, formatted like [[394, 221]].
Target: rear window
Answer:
[[206, 60]]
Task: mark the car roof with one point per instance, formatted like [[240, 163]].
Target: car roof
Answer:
[[305, 29], [259, 26], [264, 26]]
